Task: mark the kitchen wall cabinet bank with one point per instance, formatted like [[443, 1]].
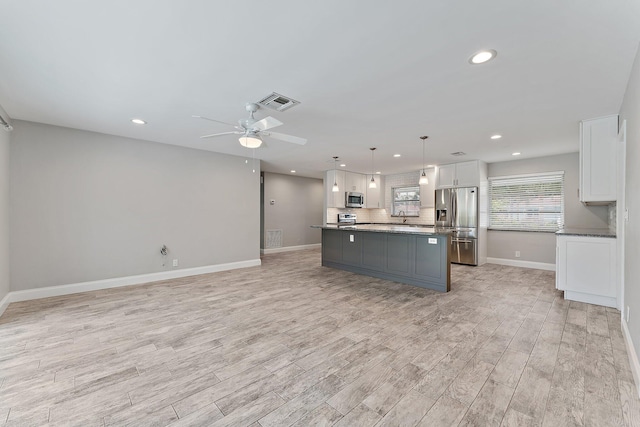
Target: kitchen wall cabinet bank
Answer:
[[347, 181], [465, 174], [586, 269], [598, 149]]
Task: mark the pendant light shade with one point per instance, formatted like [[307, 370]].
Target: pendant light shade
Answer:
[[335, 187], [423, 178], [372, 183]]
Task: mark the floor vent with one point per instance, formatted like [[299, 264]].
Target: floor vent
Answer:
[[274, 239], [278, 102]]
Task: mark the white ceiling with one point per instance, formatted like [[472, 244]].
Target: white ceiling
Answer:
[[368, 74]]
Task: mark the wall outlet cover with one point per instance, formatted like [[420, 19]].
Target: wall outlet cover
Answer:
[[175, 262]]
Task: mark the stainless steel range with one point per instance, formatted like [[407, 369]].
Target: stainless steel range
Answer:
[[347, 219]]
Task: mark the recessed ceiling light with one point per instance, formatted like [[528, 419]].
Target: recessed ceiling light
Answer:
[[482, 56], [515, 154], [293, 171], [396, 155], [431, 166], [378, 172], [138, 121], [343, 165], [496, 136]]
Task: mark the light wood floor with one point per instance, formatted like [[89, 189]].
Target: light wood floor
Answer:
[[294, 343]]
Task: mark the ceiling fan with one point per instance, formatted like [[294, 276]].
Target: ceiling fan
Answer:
[[251, 129]]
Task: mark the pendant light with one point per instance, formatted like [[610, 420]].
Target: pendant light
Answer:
[[372, 183], [423, 178], [335, 188]]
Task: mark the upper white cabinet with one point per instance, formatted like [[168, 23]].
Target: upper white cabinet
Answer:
[[428, 191], [355, 182], [598, 150], [374, 198], [334, 200], [465, 174]]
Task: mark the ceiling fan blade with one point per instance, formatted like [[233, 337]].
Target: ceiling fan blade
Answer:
[[213, 120], [219, 134], [284, 137], [266, 123]]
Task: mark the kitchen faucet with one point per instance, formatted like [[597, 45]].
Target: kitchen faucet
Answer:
[[403, 214]]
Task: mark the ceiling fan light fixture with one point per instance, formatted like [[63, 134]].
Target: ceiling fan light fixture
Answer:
[[250, 140]]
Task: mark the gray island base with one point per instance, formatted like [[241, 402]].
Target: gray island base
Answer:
[[416, 256]]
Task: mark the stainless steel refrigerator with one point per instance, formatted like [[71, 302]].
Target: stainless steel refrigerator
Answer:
[[457, 211]]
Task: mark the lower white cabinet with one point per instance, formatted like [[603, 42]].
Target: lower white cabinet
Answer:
[[586, 269]]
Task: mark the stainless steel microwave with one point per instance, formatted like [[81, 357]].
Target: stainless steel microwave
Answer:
[[353, 200]]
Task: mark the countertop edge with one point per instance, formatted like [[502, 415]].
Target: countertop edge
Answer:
[[586, 233]]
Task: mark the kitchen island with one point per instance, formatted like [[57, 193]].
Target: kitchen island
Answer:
[[414, 255]]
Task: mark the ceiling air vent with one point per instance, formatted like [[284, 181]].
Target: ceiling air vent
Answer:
[[278, 102], [459, 153]]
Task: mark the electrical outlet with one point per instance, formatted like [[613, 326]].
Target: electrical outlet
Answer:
[[175, 262], [627, 314], [517, 254]]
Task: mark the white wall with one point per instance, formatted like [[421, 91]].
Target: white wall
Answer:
[[541, 247], [298, 206], [630, 112], [4, 214], [86, 206]]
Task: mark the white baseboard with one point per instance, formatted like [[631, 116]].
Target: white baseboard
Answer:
[[290, 248], [4, 303], [591, 299], [54, 291], [633, 356], [525, 264]]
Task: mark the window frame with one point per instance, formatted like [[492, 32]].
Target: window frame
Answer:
[[395, 203], [525, 218]]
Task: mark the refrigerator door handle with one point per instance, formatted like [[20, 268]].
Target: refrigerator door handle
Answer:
[[454, 208]]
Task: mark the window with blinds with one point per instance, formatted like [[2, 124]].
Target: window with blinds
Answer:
[[406, 201], [527, 202]]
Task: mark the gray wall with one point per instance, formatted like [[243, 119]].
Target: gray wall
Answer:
[[541, 247], [4, 213], [86, 206], [630, 112], [298, 206]]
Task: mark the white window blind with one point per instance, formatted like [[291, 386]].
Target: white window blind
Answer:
[[406, 201], [527, 202]]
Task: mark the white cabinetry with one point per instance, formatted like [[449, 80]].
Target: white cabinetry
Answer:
[[374, 197], [355, 182], [586, 269], [334, 200], [598, 148], [428, 191], [466, 174]]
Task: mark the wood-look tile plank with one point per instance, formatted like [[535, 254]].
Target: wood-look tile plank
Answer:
[[489, 407], [408, 411], [290, 338], [361, 415], [323, 416], [447, 411]]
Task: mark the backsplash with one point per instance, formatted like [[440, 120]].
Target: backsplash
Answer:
[[382, 216]]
